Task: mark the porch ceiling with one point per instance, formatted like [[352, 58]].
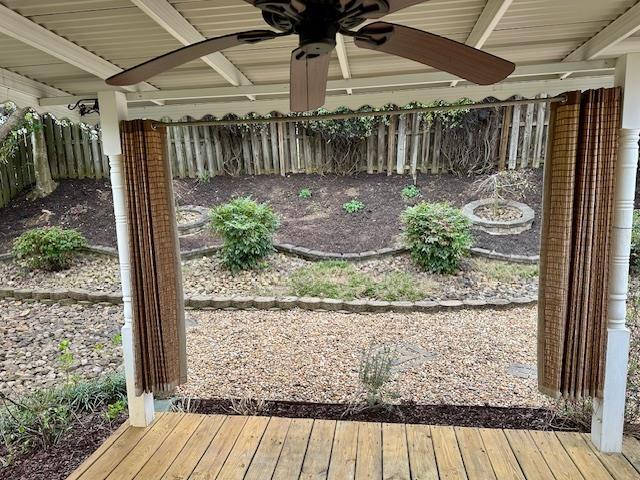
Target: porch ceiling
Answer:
[[535, 34]]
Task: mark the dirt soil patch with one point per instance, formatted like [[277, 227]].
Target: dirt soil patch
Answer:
[[58, 462], [453, 415], [317, 223]]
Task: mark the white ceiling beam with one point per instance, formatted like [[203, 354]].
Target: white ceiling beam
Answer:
[[165, 15], [24, 30], [487, 22], [598, 67], [26, 92], [621, 28], [343, 59], [505, 90]]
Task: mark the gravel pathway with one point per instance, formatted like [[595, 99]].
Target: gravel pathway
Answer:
[[30, 336], [207, 276], [464, 357]]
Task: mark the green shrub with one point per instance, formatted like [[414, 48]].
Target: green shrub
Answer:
[[41, 418], [353, 206], [49, 248], [305, 193], [246, 228], [410, 191], [438, 236], [635, 241]]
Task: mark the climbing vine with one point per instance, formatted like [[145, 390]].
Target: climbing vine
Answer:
[[27, 125]]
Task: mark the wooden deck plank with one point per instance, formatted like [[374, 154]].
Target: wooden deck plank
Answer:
[[98, 453], [529, 457], [631, 450], [104, 465], [474, 455], [616, 464], [422, 457], [448, 456], [188, 446], [395, 453], [369, 454], [316, 461], [582, 455], [170, 448], [294, 449], [344, 453], [244, 448], [195, 448], [264, 462], [503, 460], [146, 447], [213, 459], [555, 455]]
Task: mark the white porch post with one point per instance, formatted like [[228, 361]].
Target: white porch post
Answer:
[[608, 418], [113, 109]]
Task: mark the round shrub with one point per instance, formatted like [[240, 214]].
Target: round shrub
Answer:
[[49, 248], [246, 228], [438, 236]]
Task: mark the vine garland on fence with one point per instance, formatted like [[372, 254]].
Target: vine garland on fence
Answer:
[[29, 124]]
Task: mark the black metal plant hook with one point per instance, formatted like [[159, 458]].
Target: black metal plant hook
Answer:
[[83, 108]]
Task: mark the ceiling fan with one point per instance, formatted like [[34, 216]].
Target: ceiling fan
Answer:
[[317, 22]]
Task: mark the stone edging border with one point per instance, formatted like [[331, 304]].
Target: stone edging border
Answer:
[[500, 227], [309, 254], [202, 302]]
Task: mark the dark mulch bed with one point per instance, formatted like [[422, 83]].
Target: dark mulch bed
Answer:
[[318, 223], [461, 416], [58, 462]]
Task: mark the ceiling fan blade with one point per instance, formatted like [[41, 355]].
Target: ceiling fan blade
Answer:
[[447, 55], [183, 55], [394, 6], [309, 76]]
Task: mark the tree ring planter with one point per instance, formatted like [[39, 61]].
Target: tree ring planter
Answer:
[[200, 217], [500, 227]]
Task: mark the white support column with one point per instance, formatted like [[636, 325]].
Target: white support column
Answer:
[[113, 109], [608, 417]]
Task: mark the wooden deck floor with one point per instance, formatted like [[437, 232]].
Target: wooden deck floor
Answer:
[[181, 446]]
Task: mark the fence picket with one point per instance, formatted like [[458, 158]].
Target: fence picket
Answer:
[[415, 145], [526, 141], [539, 137], [437, 139], [47, 128], [515, 137], [197, 147], [391, 152], [96, 155], [402, 144], [426, 147], [68, 151]]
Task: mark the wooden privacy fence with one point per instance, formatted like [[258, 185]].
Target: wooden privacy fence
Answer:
[[17, 173], [404, 145]]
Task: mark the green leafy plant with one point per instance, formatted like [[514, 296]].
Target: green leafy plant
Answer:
[[305, 193], [247, 229], [353, 206], [116, 340], [410, 191], [49, 248], [375, 373], [41, 418], [115, 409], [438, 236]]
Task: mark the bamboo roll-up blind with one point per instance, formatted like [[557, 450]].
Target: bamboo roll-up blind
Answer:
[[158, 304], [576, 230]]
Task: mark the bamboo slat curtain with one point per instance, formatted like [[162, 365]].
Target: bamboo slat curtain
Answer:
[[158, 312], [574, 257]]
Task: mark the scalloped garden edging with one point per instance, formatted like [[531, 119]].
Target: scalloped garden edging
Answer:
[[500, 227], [205, 302], [310, 254]]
